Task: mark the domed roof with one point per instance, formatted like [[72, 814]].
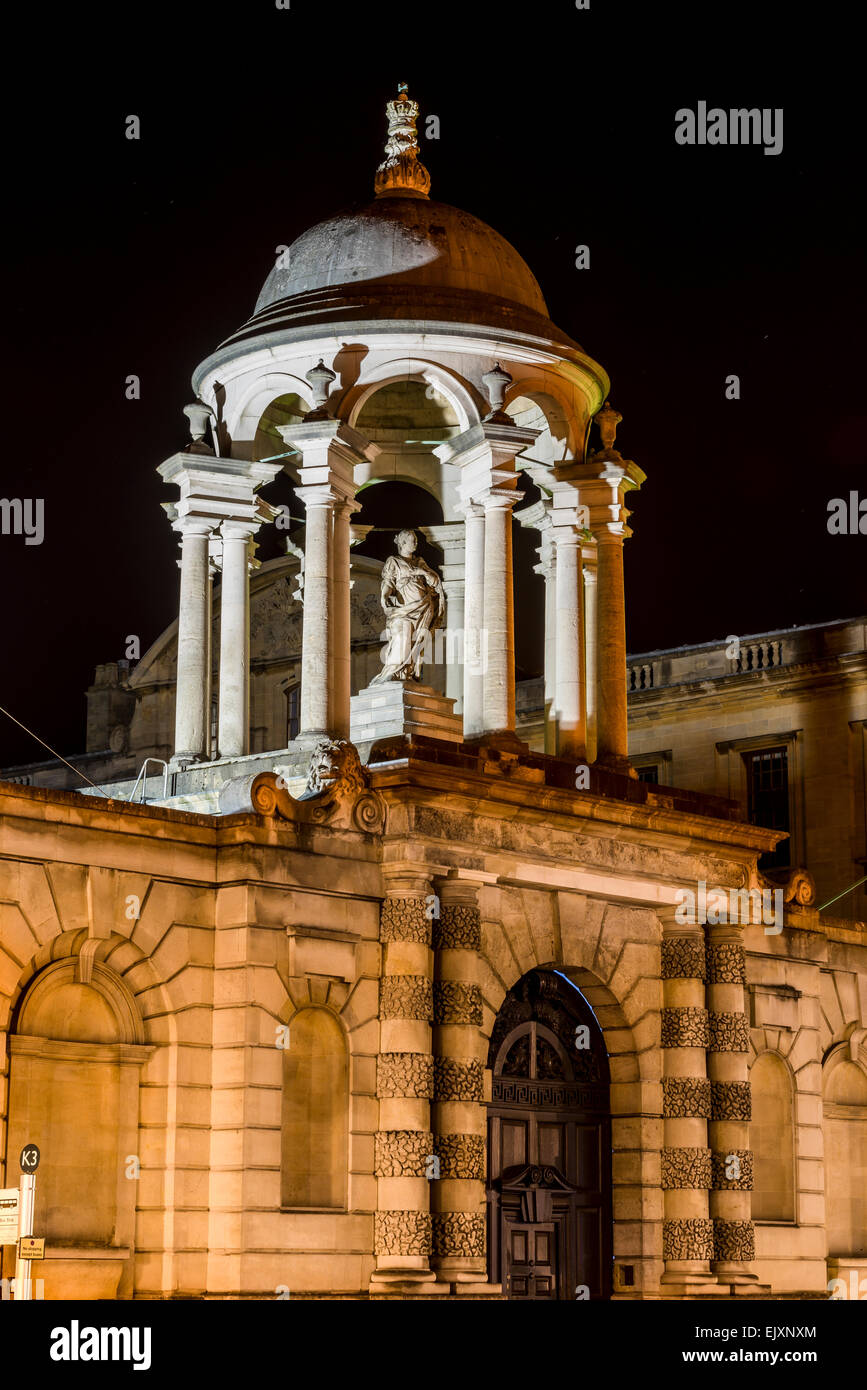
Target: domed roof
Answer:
[[407, 242], [401, 259]]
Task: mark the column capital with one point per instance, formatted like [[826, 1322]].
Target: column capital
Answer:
[[313, 438], [499, 498], [603, 482]]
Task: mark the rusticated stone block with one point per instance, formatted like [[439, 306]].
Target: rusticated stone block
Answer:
[[686, 1168], [404, 1074], [457, 1003], [402, 1233], [686, 1097], [738, 1162], [459, 925], [726, 963], [728, 1033], [733, 1240], [684, 1028], [404, 919], [730, 1100], [406, 996], [683, 958], [458, 1233], [402, 1153], [687, 1239], [455, 1080], [460, 1155]]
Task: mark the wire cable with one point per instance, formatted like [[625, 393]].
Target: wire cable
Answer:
[[76, 770]]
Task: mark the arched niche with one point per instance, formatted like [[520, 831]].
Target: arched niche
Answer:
[[772, 1139], [76, 1049], [315, 1113], [844, 1098]]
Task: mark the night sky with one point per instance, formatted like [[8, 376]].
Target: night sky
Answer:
[[557, 128]]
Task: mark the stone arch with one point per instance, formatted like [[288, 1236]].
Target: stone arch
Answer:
[[844, 1127], [543, 407], [612, 954], [76, 1050], [253, 400], [465, 401]]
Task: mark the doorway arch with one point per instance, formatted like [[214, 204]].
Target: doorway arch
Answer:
[[549, 1145]]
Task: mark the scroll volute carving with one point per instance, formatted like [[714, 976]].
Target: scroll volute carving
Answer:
[[338, 793]]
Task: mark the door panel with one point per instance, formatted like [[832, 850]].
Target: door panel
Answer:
[[531, 1251]]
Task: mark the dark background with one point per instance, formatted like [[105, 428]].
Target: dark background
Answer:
[[557, 128]]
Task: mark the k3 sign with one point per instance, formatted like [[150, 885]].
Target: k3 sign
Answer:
[[29, 1158]]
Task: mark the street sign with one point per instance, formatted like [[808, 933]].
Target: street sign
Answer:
[[31, 1247], [8, 1215], [29, 1158]]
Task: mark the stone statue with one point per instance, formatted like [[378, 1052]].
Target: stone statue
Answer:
[[414, 604]]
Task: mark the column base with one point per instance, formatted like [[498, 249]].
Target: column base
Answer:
[[179, 762], [500, 740], [614, 762], [406, 1283], [689, 1279]]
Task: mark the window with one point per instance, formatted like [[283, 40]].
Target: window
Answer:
[[293, 712], [772, 1136], [315, 1128], [649, 773], [768, 798]]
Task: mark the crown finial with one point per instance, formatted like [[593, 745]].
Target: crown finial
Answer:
[[402, 173]]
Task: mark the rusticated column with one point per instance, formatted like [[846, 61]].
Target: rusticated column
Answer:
[[687, 1233], [732, 1159], [459, 1121], [403, 1144]]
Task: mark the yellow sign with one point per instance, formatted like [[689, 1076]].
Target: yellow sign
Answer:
[[31, 1247]]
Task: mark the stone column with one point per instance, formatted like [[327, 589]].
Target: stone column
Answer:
[[590, 675], [318, 617], [233, 737], [341, 658], [474, 618], [330, 452], [499, 611], [731, 1156], [602, 484], [611, 652], [459, 1118], [687, 1230], [403, 1147], [192, 709], [451, 540], [547, 567], [569, 700]]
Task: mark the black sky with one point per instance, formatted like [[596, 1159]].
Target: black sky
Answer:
[[557, 128]]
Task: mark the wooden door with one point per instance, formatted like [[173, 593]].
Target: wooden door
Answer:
[[549, 1145]]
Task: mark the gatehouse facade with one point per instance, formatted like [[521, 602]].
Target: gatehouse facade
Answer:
[[398, 1005]]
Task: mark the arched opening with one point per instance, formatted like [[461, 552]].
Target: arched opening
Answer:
[[549, 1145], [772, 1137], [75, 1057], [845, 1131], [315, 1117]]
